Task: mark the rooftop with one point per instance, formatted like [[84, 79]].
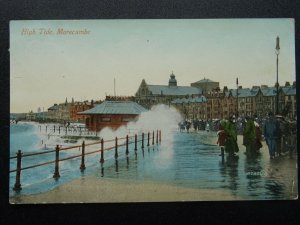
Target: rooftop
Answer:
[[116, 107], [173, 90], [201, 99], [204, 80]]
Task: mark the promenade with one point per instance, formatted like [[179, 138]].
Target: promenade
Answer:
[[243, 179]]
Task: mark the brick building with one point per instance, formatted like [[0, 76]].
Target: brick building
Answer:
[[112, 114]]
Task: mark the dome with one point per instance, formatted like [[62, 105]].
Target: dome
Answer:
[[172, 80]]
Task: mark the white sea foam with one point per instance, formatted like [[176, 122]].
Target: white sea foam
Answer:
[[160, 117]]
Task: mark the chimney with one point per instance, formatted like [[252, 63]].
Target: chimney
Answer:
[[287, 84]]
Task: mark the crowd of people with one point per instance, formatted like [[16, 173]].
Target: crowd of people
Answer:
[[278, 132], [197, 125]]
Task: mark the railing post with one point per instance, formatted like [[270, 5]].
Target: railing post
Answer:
[[53, 128], [56, 170], [148, 139], [156, 136], [116, 148], [46, 129], [17, 186], [102, 151], [82, 166], [127, 152], [143, 140], [159, 136], [135, 142], [153, 138], [58, 129]]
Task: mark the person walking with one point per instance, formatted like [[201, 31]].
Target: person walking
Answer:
[[249, 136], [187, 125], [271, 133], [258, 136], [222, 136], [231, 146], [181, 126]]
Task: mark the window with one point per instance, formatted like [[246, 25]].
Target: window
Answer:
[[105, 119], [127, 119]]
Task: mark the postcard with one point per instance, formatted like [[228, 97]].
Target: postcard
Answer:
[[164, 110]]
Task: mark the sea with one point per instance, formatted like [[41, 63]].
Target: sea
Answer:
[[32, 137]]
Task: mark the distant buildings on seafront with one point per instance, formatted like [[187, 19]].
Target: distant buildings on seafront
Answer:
[[203, 99]]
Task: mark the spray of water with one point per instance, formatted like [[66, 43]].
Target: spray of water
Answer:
[[160, 117]]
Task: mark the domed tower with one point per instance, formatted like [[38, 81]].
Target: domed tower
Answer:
[[172, 80]]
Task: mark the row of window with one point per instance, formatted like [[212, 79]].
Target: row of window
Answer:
[[109, 119]]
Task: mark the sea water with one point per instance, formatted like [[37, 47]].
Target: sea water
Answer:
[[31, 137]]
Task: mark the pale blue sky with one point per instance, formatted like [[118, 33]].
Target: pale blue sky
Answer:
[[47, 69]]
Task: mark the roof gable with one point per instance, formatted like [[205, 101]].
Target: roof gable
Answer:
[[289, 90]]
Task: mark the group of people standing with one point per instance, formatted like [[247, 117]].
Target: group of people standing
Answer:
[[197, 125], [274, 131], [278, 133]]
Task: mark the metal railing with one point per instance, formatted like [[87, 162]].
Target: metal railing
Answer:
[[19, 155]]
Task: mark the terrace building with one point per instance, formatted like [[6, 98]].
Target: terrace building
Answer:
[[258, 100]]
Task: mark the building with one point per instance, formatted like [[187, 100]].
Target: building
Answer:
[[52, 113], [255, 101], [112, 114], [206, 85], [259, 100], [148, 95], [59, 112], [192, 108], [30, 116], [288, 100], [77, 107], [244, 105]]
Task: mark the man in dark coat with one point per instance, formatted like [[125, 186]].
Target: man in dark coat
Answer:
[[271, 133]]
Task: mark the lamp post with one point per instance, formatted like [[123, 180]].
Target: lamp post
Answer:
[[237, 97], [277, 49]]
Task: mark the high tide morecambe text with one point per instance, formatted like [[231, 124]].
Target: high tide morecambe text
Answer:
[[48, 31]]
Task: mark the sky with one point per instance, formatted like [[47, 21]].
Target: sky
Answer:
[[46, 68]]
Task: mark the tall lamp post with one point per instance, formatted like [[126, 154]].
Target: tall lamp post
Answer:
[[277, 49], [237, 97]]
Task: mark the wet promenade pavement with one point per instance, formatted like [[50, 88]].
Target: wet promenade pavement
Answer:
[[185, 161]]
